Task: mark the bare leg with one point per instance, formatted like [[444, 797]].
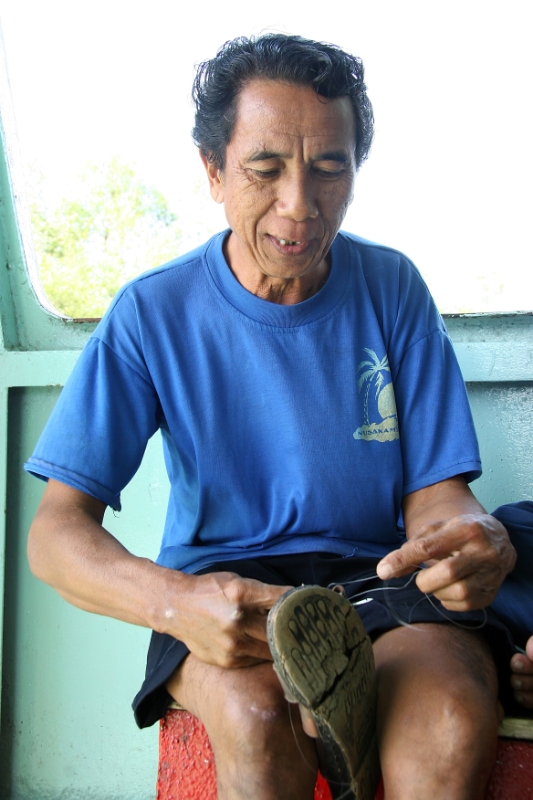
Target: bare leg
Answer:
[[437, 720], [522, 677], [259, 754], [437, 713]]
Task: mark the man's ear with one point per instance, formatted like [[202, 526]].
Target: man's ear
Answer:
[[214, 176]]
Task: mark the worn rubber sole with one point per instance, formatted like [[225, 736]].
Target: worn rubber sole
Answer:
[[324, 661]]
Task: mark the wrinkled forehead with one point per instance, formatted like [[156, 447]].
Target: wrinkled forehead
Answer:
[[278, 109]]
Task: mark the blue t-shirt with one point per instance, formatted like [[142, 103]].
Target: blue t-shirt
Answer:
[[285, 428]]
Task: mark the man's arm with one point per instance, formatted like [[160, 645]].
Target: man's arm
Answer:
[[466, 551], [220, 617]]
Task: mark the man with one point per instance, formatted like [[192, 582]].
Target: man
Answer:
[[308, 396]]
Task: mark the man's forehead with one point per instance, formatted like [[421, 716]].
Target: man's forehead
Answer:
[[270, 110], [287, 100]]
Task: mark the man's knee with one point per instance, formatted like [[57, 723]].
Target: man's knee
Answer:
[[257, 721], [239, 707], [257, 739], [437, 715], [471, 650], [459, 662], [459, 722]]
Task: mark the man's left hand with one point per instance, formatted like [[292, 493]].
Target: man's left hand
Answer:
[[466, 555]]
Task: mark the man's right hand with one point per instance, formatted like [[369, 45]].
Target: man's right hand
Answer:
[[221, 617]]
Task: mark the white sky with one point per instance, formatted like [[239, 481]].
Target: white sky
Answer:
[[450, 175]]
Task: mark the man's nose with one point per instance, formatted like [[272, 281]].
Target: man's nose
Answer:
[[296, 198]]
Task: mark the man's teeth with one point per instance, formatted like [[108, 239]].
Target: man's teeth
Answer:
[[287, 241]]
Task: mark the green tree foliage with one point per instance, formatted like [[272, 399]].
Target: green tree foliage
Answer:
[[112, 228]]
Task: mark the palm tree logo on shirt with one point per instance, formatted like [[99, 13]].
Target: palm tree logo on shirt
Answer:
[[373, 375]]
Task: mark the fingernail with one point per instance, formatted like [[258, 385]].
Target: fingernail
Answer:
[[519, 698], [384, 571], [518, 666], [517, 684]]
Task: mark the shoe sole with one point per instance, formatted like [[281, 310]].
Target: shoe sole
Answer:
[[324, 661]]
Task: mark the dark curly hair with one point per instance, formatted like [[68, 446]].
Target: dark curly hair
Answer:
[[275, 56]]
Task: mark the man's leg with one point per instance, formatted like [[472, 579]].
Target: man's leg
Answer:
[[438, 709], [438, 713], [260, 749], [522, 677]]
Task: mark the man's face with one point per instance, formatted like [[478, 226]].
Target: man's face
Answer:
[[287, 180]]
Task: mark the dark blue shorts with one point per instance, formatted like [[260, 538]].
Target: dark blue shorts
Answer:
[[382, 605], [514, 601]]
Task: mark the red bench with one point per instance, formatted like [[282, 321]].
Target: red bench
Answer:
[[187, 767]]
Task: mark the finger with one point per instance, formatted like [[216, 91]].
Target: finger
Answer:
[[230, 661], [460, 577], [465, 575], [464, 595], [258, 595], [252, 650], [470, 601], [444, 574], [230, 653], [521, 664], [436, 573], [522, 683], [256, 617], [416, 552], [480, 537], [255, 626], [524, 698]]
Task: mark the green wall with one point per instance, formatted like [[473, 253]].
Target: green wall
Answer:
[[66, 730], [69, 677]]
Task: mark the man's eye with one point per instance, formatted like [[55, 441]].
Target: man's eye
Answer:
[[265, 173], [329, 170]]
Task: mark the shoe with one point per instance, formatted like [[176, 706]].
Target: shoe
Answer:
[[324, 661]]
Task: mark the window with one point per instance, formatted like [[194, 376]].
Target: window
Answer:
[[115, 184]]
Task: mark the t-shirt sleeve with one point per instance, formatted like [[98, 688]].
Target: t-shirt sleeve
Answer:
[[436, 428], [97, 433], [437, 433]]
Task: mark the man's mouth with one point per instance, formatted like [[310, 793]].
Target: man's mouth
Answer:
[[289, 247]]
